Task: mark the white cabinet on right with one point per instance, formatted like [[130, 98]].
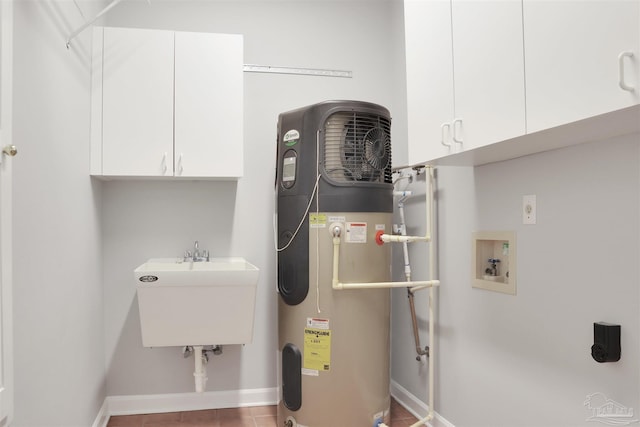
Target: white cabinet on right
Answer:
[[488, 69], [582, 59], [465, 75], [430, 96]]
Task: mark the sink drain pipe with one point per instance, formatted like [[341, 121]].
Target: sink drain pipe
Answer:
[[201, 356], [200, 373]]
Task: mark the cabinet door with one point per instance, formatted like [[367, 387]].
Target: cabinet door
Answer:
[[488, 62], [137, 127], [571, 52], [208, 105], [429, 78]]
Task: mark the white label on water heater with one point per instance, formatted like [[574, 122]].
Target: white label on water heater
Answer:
[[314, 322], [310, 372], [356, 232]]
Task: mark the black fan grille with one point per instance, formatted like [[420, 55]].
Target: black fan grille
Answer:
[[357, 147]]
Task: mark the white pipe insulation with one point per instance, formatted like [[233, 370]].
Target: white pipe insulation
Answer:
[[431, 381], [336, 230], [337, 285], [392, 238], [403, 232], [423, 284], [402, 193], [200, 373]]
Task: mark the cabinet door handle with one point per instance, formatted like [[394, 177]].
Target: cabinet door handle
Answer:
[[10, 150], [455, 131], [443, 139], [621, 82], [180, 167], [164, 164]]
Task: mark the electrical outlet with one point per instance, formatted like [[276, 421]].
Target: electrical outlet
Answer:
[[529, 209]]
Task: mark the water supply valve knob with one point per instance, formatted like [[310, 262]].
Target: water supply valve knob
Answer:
[[493, 270]]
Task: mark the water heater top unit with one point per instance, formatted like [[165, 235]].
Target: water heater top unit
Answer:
[[347, 143], [334, 156]]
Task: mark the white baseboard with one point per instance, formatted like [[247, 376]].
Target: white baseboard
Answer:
[[157, 403], [418, 408], [102, 419]]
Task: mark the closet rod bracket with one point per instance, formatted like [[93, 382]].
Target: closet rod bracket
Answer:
[[84, 26]]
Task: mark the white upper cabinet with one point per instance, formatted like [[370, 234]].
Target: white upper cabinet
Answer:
[[429, 78], [208, 105], [488, 69], [465, 75], [137, 102], [578, 56], [516, 67], [166, 103]]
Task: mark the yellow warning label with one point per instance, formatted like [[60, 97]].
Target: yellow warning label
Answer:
[[317, 220], [317, 349]]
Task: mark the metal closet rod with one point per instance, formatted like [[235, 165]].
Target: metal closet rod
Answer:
[[250, 68], [88, 23]]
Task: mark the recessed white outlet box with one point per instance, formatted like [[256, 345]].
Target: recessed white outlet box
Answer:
[[494, 261], [529, 209]]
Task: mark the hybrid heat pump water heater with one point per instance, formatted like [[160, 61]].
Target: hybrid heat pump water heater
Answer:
[[333, 182]]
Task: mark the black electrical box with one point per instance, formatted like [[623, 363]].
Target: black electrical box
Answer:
[[606, 342]]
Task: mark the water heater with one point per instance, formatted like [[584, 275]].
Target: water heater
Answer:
[[333, 172]]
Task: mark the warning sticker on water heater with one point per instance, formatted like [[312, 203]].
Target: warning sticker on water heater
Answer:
[[317, 349], [356, 232], [317, 323], [317, 220]]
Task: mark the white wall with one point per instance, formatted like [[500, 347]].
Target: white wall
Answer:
[[525, 360], [58, 338], [151, 219]]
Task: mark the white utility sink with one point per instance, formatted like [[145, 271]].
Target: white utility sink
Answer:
[[217, 271], [196, 303]]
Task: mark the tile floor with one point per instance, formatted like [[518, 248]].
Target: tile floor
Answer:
[[257, 416]]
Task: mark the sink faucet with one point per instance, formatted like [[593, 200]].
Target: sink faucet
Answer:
[[197, 256]]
